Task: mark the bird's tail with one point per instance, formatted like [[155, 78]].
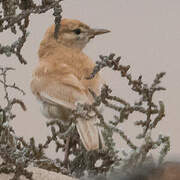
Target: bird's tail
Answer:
[[90, 134]]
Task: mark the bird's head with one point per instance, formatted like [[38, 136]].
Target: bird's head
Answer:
[[75, 34]]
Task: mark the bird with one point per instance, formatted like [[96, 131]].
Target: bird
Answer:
[[59, 82]]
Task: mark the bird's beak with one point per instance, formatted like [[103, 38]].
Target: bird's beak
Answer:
[[94, 32]]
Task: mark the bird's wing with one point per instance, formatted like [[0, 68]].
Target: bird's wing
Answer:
[[65, 89], [58, 86]]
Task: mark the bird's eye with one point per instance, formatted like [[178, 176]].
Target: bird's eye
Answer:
[[77, 31]]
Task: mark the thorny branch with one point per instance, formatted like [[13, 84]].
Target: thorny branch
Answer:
[[9, 19], [145, 105], [16, 153]]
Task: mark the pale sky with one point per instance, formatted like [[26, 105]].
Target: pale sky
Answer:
[[146, 33]]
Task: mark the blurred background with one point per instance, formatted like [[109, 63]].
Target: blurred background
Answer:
[[146, 34]]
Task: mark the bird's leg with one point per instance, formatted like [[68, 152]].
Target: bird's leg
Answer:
[[66, 157]]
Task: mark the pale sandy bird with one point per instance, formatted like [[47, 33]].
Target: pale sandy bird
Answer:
[[60, 79]]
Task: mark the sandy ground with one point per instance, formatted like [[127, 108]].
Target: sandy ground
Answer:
[[39, 174]]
